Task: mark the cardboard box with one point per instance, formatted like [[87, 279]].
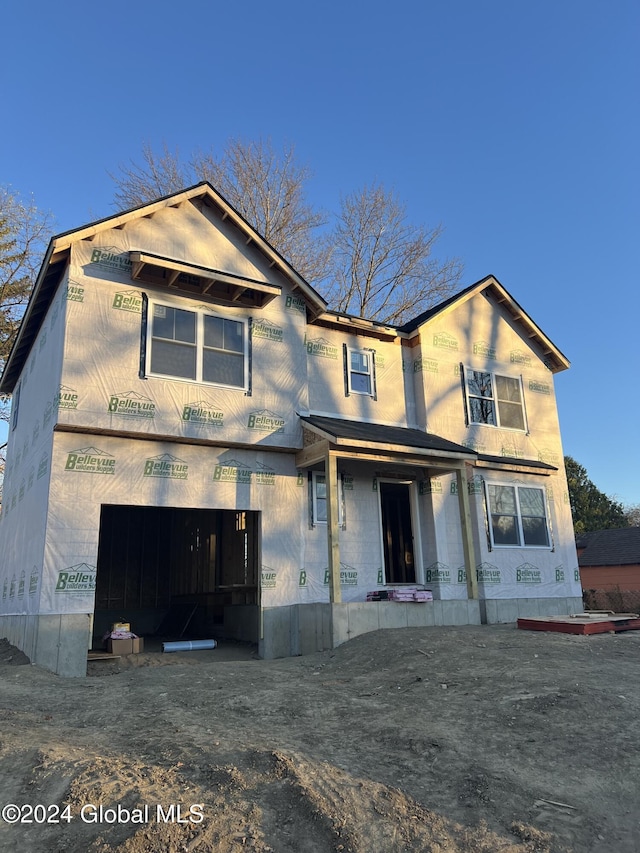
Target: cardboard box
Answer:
[[126, 647]]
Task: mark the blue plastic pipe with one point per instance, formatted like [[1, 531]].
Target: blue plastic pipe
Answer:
[[188, 645]]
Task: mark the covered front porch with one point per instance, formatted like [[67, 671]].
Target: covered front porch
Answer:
[[399, 460]]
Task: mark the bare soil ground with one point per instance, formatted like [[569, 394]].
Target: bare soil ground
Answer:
[[485, 739]]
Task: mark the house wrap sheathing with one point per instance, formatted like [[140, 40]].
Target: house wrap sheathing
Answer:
[[200, 447]]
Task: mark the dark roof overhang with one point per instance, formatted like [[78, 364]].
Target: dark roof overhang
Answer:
[[380, 442], [221, 287]]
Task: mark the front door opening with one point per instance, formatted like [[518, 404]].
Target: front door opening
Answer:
[[397, 533], [178, 573]]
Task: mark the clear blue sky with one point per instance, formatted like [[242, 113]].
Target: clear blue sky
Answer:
[[514, 124]]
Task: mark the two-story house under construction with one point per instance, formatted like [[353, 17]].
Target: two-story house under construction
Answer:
[[199, 447]]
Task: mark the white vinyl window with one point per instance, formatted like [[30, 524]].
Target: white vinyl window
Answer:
[[197, 346], [319, 498], [517, 516], [495, 400], [360, 372]]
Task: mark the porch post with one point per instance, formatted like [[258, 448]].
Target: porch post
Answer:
[[333, 545], [467, 533]]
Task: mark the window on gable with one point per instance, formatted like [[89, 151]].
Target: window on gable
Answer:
[[197, 346], [495, 399], [517, 516], [360, 372], [319, 498]]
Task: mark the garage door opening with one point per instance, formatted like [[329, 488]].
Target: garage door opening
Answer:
[[178, 573]]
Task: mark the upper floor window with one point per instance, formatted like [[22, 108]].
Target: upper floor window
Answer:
[[360, 377], [197, 346], [517, 516], [495, 399]]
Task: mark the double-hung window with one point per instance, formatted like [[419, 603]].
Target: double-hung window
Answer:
[[197, 346], [495, 400], [319, 498], [360, 372], [517, 516]]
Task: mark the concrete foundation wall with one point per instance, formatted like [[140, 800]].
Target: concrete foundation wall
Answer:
[[57, 642], [511, 609], [300, 629]]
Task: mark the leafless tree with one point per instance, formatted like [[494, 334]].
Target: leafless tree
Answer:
[[632, 514], [369, 260], [24, 233], [267, 187], [157, 176], [382, 266]]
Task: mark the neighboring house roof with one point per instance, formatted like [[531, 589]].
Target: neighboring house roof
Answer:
[[619, 547], [57, 257], [491, 288], [356, 431]]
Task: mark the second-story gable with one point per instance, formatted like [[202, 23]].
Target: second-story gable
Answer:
[[180, 321], [483, 376]]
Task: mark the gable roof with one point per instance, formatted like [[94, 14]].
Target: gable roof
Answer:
[[618, 547], [491, 288], [57, 258]]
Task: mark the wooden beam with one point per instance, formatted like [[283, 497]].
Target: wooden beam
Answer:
[[407, 450], [467, 534], [173, 277], [333, 544], [312, 454]]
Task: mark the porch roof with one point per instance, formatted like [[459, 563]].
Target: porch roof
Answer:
[[372, 437]]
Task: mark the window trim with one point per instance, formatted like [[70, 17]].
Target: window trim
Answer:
[[466, 370], [314, 498], [371, 355], [200, 313], [521, 544]]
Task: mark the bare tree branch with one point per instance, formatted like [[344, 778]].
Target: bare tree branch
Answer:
[[382, 266], [267, 187]]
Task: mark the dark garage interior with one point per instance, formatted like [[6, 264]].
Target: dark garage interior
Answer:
[[176, 573]]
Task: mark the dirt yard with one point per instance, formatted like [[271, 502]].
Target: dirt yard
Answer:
[[486, 739]]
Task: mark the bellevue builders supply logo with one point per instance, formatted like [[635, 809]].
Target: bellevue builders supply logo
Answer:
[[77, 579], [267, 578], [266, 329], [75, 291], [66, 398], [232, 471], [132, 405], [128, 300], [444, 340], [526, 573], [203, 413], [266, 421], [321, 347], [111, 258], [483, 348], [348, 576], [90, 460], [295, 303], [265, 476], [167, 466]]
